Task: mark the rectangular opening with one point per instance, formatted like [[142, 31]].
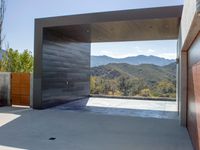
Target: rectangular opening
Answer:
[[62, 72], [139, 75], [148, 66]]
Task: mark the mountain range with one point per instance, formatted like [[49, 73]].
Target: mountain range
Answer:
[[134, 60], [149, 72]]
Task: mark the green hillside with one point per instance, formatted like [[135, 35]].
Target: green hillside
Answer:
[[149, 76]]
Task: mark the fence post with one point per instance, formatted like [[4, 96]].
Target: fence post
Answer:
[[31, 89]]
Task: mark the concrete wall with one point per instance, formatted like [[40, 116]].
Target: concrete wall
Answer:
[[187, 17], [190, 23], [5, 88], [66, 69], [183, 87]]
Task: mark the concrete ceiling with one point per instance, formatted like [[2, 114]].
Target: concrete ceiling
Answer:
[[132, 25]]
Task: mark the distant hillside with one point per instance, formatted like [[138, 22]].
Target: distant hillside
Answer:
[[135, 60], [150, 73]]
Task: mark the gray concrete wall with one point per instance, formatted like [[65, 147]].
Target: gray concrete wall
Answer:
[[5, 88], [37, 73], [190, 23], [189, 10], [66, 69], [183, 88]]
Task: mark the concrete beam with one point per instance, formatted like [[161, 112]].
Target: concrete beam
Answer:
[[190, 23], [112, 16]]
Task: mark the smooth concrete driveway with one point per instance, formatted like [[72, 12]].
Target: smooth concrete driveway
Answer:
[[125, 107], [55, 129]]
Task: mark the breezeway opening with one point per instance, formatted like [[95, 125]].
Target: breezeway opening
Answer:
[[134, 69], [134, 78], [63, 48]]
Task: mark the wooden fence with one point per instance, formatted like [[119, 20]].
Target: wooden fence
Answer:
[[20, 89], [15, 89]]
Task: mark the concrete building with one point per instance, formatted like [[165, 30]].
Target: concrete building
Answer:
[[62, 46], [62, 53]]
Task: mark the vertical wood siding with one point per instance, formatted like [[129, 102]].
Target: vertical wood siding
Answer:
[[193, 115]]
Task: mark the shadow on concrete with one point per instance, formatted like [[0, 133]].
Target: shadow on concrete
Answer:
[[75, 130], [81, 106]]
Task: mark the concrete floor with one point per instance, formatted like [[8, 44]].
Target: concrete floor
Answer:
[[125, 107], [82, 130]]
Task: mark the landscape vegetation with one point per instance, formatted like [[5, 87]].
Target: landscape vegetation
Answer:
[[14, 61], [123, 79], [145, 76]]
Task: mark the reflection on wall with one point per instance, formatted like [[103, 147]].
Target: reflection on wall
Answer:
[[66, 70], [193, 115]]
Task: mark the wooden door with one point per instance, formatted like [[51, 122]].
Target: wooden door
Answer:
[[20, 89]]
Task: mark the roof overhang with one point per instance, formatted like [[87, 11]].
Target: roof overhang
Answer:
[[127, 25]]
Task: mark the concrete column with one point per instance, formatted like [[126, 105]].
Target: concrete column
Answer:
[[183, 88], [37, 75], [5, 87]]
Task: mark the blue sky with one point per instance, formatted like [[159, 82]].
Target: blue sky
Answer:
[[20, 15], [163, 48]]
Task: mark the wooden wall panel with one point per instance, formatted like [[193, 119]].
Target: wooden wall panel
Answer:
[[66, 70], [193, 115], [20, 89]]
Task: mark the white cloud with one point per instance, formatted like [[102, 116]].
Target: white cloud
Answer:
[[150, 51], [104, 52], [121, 55], [144, 51], [139, 50], [167, 55]]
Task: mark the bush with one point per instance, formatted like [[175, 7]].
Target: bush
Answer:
[[145, 93]]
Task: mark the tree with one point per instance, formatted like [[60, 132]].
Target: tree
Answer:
[[123, 85], [113, 88], [2, 12], [26, 61], [1, 66], [13, 61], [135, 85], [92, 84], [97, 85], [165, 89], [145, 92]]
